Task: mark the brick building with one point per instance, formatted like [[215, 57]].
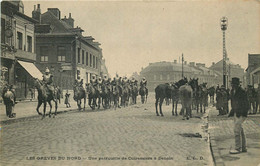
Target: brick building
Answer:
[[63, 48], [253, 70], [18, 53]]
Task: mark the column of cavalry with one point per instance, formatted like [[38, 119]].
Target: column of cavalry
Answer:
[[106, 92], [191, 95]]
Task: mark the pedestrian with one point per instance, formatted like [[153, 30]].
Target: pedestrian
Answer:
[[9, 98], [219, 101], [67, 95], [31, 93], [239, 109]]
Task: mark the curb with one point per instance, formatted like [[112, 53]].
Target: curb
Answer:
[[218, 161]]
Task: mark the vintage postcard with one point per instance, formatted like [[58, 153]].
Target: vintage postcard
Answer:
[[130, 83]]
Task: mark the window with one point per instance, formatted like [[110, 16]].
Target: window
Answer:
[[61, 54], [94, 63], [83, 56], [44, 51], [2, 30], [160, 77], [20, 40], [168, 76], [29, 43], [87, 58], [90, 60], [78, 55]]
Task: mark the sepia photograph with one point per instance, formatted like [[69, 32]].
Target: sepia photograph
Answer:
[[130, 83]]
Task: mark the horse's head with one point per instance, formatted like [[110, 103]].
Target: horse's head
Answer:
[[194, 83], [37, 83]]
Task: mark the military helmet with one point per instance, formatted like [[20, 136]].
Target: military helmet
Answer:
[[99, 80], [47, 70]]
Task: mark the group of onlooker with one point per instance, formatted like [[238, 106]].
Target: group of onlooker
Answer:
[[223, 97]]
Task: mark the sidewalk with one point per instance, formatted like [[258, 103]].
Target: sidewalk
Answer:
[[222, 139], [27, 108]]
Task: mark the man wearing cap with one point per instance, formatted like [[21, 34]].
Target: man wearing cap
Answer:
[[239, 109], [48, 81]]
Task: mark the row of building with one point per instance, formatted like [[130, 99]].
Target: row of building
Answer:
[[163, 72], [30, 44]]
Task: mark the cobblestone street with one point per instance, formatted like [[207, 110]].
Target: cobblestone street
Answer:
[[128, 136]]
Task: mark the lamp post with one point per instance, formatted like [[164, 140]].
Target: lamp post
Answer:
[[223, 24]]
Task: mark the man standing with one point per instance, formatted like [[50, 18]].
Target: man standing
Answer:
[[240, 106]]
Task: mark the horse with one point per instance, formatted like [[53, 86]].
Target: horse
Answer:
[[91, 91], [203, 101], [105, 96], [115, 95], [162, 91], [175, 94], [9, 101], [79, 94], [143, 91], [252, 98], [45, 96], [134, 93], [186, 94], [211, 92], [98, 93], [125, 95], [167, 90]]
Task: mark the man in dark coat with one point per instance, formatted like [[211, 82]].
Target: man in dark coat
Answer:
[[240, 106]]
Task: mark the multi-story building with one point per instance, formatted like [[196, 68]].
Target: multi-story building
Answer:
[[64, 50], [17, 48], [253, 70], [169, 72], [233, 70]]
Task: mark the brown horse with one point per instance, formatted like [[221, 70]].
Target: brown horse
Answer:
[[143, 91], [79, 94], [44, 96]]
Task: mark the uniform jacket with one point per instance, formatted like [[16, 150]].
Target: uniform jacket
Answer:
[[239, 102]]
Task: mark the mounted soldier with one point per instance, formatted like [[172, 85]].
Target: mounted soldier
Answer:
[[48, 81], [143, 82], [78, 82], [93, 80]]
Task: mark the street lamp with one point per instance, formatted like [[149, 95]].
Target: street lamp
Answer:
[[223, 25]]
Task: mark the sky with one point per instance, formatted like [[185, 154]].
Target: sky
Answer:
[[135, 33]]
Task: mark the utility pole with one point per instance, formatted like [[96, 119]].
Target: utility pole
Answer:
[[182, 60]]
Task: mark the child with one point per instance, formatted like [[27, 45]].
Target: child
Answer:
[[67, 95]]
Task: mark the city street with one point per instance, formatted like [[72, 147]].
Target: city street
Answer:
[[127, 136]]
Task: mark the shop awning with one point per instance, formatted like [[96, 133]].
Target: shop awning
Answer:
[[31, 69]]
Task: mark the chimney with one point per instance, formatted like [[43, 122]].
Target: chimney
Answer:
[[55, 12], [69, 21], [36, 14], [175, 61], [213, 63]]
